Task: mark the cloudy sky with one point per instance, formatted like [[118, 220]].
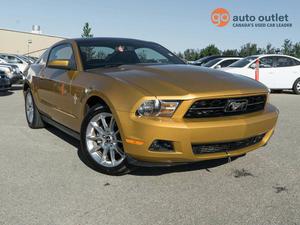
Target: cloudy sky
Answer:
[[175, 24]]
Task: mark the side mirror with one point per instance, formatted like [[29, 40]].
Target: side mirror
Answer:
[[252, 66], [218, 67], [63, 64]]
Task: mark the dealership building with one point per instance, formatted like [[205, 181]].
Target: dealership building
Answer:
[[33, 43]]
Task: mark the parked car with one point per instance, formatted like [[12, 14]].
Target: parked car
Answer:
[[4, 81], [12, 72], [277, 72], [221, 62], [16, 60], [25, 58], [132, 101], [206, 59], [33, 59]]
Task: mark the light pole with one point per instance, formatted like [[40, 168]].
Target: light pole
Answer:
[[28, 43]]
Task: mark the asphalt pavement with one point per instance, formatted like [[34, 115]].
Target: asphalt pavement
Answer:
[[43, 180]]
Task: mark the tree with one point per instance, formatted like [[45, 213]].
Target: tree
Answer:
[[230, 52], [87, 31], [191, 54], [179, 54], [210, 50], [287, 47], [296, 49], [249, 49], [269, 49]]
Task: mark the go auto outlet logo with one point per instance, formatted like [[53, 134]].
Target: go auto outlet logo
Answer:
[[221, 17]]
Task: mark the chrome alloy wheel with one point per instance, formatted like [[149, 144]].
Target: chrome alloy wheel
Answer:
[[29, 107], [103, 140]]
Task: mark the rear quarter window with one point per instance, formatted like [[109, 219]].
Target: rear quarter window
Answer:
[[285, 62]]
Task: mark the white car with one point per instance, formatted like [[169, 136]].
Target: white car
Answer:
[[275, 71], [221, 62], [13, 59]]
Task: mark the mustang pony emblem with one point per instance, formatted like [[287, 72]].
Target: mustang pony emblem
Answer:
[[236, 105]]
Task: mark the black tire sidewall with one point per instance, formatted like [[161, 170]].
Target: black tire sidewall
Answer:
[[37, 121], [30, 124], [295, 87], [120, 169]]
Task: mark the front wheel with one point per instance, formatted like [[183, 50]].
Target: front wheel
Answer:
[[101, 142], [296, 87]]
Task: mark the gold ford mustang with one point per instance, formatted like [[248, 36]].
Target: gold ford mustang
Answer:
[[132, 101]]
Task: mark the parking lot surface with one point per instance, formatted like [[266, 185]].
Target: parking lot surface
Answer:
[[43, 180]]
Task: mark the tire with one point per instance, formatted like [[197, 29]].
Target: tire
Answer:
[[101, 142], [276, 91], [33, 116], [296, 87]]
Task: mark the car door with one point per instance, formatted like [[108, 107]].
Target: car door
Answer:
[[287, 71], [41, 83], [266, 71], [58, 81]]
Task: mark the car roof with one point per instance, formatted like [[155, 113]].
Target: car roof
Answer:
[[232, 57], [214, 57], [264, 55], [270, 55], [116, 39]]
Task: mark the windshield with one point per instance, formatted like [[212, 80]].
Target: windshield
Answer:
[[243, 62], [202, 59], [212, 62], [108, 53], [24, 58]]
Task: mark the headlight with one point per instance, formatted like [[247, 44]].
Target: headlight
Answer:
[[157, 108]]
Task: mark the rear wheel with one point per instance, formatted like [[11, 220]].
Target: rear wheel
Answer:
[[101, 142], [296, 87], [33, 116]]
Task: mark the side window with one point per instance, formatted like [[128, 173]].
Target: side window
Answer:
[[227, 62], [284, 61], [296, 62], [266, 62], [63, 51]]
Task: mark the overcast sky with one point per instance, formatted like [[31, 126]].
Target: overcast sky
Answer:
[[175, 24]]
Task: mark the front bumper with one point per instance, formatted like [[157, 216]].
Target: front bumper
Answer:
[[185, 132], [16, 77], [4, 84]]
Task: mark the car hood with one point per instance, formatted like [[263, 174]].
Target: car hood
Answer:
[[182, 80]]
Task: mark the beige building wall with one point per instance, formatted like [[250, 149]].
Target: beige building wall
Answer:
[[16, 42]]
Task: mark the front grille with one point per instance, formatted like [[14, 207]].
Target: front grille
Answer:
[[226, 146], [220, 107]]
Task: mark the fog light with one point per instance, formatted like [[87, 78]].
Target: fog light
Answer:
[[161, 146]]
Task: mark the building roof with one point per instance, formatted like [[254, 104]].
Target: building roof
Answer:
[[35, 34]]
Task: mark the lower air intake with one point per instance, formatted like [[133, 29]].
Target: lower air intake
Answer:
[[226, 146]]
